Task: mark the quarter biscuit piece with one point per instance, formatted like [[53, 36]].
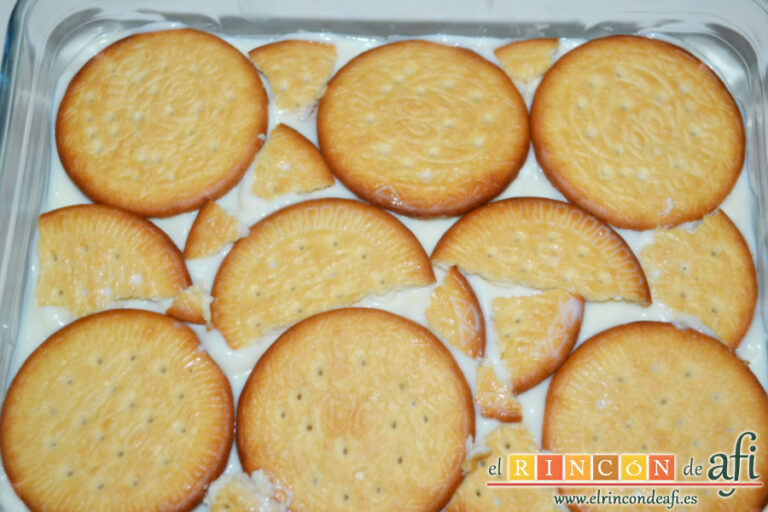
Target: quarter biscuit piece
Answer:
[[212, 230], [311, 257], [649, 387], [191, 305], [422, 128], [159, 122], [638, 132], [495, 398], [526, 60], [454, 313], [357, 409], [474, 496], [536, 333], [91, 255], [289, 162], [686, 270], [119, 410], [297, 70], [544, 244]]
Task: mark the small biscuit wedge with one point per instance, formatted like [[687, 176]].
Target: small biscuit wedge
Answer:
[[289, 162], [473, 495], [92, 255], [297, 70], [119, 407], [652, 388], [526, 60], [159, 122], [536, 333], [685, 270], [191, 306], [211, 231], [494, 398], [544, 244], [311, 257], [454, 313], [373, 405]]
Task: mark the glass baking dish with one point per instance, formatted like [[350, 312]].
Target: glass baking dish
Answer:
[[45, 35]]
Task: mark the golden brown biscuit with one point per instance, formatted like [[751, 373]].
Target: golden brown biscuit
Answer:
[[707, 272], [311, 257], [536, 333], [649, 387], [544, 244], [117, 408], [494, 398], [159, 122], [289, 162], [191, 305], [372, 405], [638, 132], [297, 70], [526, 60], [211, 231], [474, 496], [91, 255], [455, 314], [422, 128]]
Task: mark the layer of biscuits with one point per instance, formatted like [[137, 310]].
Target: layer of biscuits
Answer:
[[39, 322]]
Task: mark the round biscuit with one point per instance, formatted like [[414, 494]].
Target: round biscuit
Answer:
[[638, 132], [120, 410], [649, 387], [422, 128], [159, 122], [310, 257], [357, 409]]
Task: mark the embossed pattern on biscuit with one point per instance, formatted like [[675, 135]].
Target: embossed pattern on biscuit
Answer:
[[544, 244], [494, 398], [474, 496], [211, 231], [372, 404], [638, 132], [526, 60], [536, 333], [297, 70], [159, 122], [92, 255], [119, 410], [649, 387], [289, 162], [707, 272], [422, 128], [454, 313], [310, 257]]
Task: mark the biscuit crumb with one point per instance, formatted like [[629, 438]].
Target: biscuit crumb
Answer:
[[240, 493]]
